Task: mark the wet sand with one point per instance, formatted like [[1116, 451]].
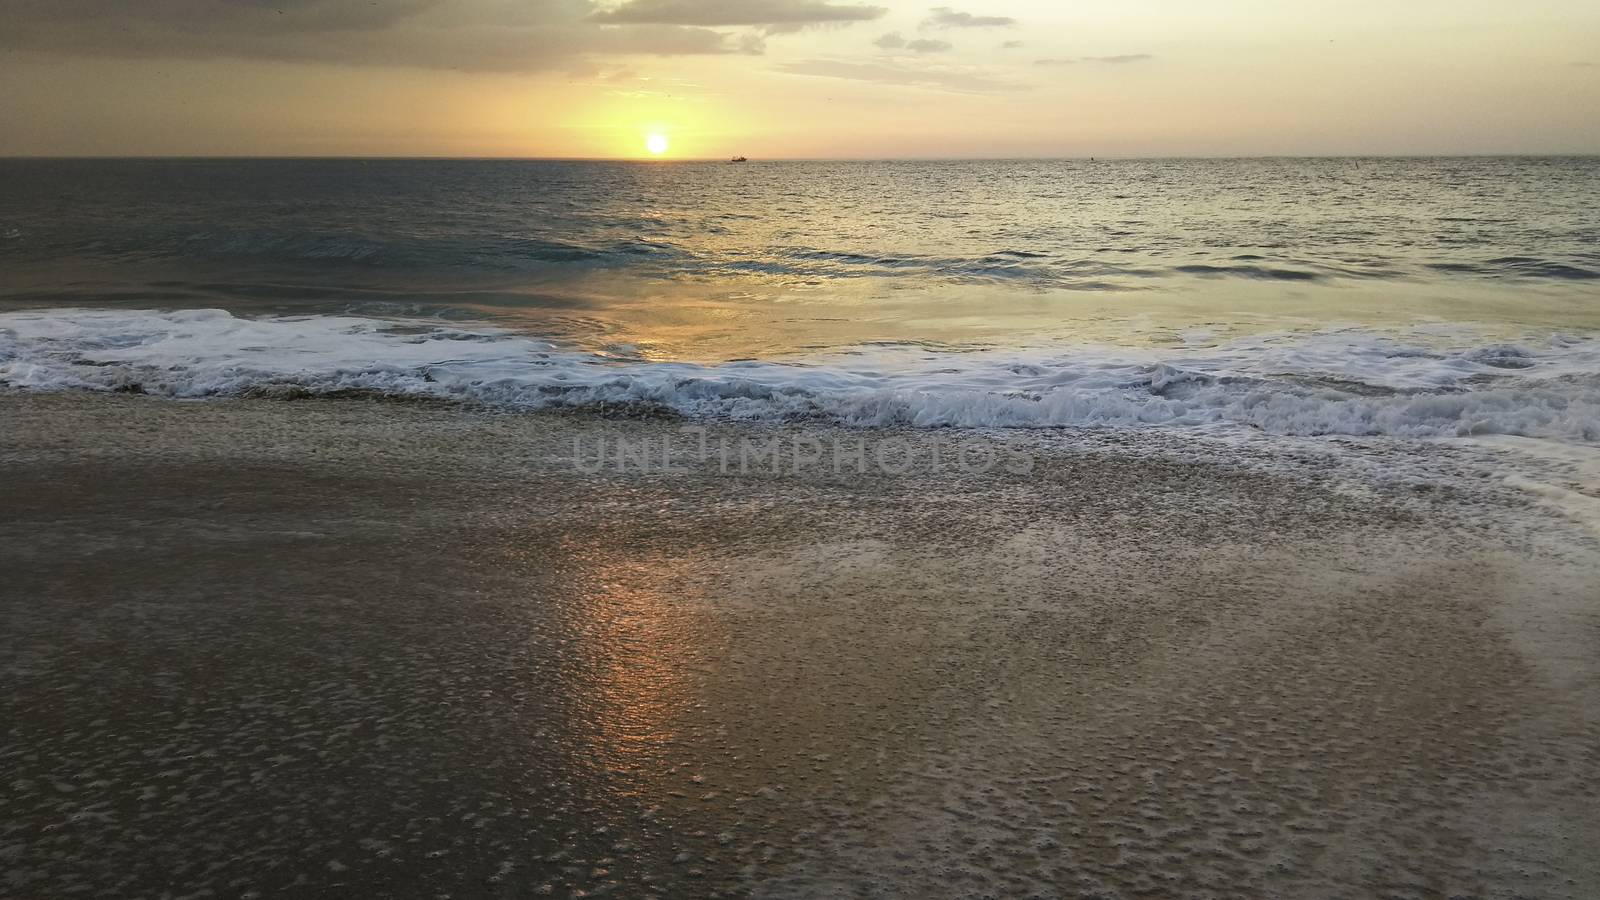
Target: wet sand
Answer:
[[319, 648]]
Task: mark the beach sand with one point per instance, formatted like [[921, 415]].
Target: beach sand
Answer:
[[335, 647]]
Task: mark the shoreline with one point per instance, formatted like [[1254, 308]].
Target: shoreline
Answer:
[[261, 645], [1323, 383]]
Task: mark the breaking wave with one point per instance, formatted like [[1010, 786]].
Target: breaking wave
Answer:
[[1325, 383]]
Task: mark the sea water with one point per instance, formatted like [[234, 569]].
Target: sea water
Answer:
[[1406, 298]]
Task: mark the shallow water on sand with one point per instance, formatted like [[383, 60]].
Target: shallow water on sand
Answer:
[[298, 647]]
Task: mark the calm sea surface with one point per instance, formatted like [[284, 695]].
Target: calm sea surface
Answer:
[[710, 260], [1343, 268]]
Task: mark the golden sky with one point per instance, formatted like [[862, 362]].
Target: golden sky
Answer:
[[798, 78]]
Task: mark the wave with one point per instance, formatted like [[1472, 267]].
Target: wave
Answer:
[[1070, 271], [489, 253], [1518, 267], [668, 252], [1326, 383], [1250, 271]]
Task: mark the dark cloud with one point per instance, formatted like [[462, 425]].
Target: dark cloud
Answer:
[[492, 35], [954, 80], [205, 17], [891, 41], [945, 17], [771, 13], [1010, 45]]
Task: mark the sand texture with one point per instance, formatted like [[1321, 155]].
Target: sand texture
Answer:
[[356, 648]]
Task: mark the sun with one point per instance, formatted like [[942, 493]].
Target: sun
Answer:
[[656, 144]]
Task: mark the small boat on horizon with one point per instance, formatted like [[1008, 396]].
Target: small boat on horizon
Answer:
[[738, 159]]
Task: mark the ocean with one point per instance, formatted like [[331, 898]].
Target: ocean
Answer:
[[1403, 298]]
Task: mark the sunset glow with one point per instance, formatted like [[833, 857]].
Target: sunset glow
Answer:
[[787, 78]]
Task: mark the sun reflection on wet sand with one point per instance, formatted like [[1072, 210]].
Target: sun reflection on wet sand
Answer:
[[638, 648]]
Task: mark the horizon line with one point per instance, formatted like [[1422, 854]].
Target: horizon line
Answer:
[[785, 159]]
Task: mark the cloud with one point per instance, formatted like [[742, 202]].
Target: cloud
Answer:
[[1010, 45], [1119, 60], [203, 18], [772, 13], [945, 17], [478, 35], [894, 41], [957, 80], [1103, 60]]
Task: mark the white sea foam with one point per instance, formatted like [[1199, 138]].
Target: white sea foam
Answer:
[[1345, 382]]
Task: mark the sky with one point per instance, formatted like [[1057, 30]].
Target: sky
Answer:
[[798, 78]]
